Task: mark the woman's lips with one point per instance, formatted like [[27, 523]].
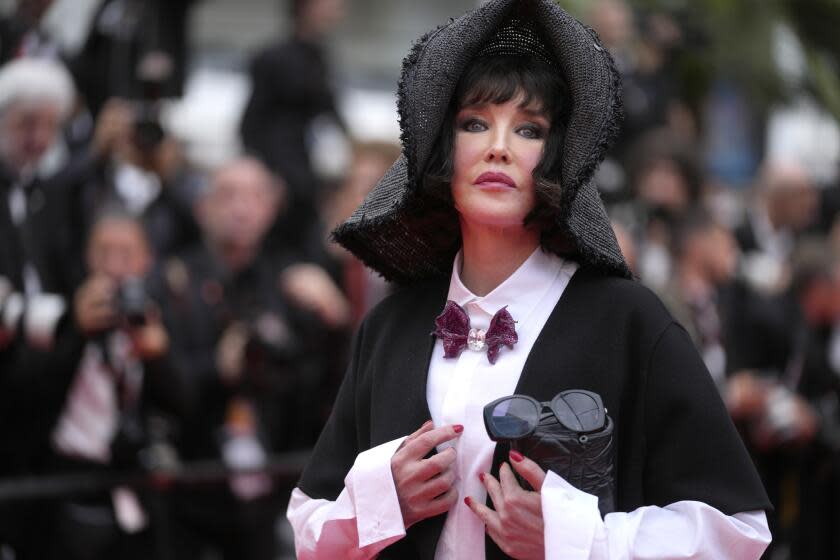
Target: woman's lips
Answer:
[[495, 179]]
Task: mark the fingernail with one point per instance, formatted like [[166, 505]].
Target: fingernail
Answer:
[[468, 501], [458, 428], [481, 476], [516, 456], [426, 423]]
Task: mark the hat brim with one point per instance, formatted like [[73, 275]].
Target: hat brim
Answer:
[[407, 236]]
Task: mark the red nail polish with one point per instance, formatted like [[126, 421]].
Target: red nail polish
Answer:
[[481, 476], [458, 428], [516, 456], [468, 501]]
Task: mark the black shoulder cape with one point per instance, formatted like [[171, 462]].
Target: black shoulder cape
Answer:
[[607, 334]]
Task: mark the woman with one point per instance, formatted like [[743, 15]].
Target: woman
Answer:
[[505, 113]]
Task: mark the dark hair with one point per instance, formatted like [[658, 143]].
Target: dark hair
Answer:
[[114, 212], [661, 145], [813, 262], [695, 222], [497, 80]]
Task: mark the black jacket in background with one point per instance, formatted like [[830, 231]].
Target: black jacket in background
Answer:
[[290, 88], [32, 380]]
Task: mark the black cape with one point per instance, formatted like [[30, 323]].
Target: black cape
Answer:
[[609, 335]]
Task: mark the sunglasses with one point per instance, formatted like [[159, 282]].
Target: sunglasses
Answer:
[[517, 416]]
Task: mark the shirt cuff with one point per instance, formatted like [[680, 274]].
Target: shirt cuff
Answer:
[[570, 518], [371, 487]]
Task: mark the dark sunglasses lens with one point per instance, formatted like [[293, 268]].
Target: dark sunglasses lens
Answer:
[[580, 411], [514, 418]]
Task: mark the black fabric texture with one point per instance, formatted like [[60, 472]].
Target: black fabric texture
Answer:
[[586, 461], [408, 236], [674, 439]]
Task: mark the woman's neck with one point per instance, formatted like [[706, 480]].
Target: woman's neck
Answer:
[[491, 255]]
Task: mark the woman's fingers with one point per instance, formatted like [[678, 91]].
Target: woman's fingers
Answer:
[[425, 486], [437, 463], [442, 503], [420, 446], [507, 480], [494, 490], [528, 470], [516, 525], [427, 425], [440, 484], [489, 517]]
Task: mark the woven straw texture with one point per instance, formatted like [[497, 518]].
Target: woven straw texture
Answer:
[[406, 236]]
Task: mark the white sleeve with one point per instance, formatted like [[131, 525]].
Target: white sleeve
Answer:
[[363, 520], [574, 529]]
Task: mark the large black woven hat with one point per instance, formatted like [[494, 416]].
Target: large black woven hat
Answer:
[[407, 235]]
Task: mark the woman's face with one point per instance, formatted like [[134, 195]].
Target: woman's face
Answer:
[[496, 148]]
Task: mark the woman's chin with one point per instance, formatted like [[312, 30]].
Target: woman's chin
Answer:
[[509, 221]]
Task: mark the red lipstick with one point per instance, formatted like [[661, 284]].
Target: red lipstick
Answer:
[[495, 179]]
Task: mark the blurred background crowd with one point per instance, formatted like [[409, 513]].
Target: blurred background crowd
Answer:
[[170, 303]]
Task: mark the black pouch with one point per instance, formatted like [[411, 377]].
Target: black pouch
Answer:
[[584, 460]]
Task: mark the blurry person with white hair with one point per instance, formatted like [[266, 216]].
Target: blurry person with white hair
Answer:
[[37, 333], [785, 202], [36, 96]]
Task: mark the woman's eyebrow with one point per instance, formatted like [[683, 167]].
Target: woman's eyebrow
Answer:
[[533, 111], [473, 107]]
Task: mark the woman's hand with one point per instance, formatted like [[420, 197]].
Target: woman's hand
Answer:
[[517, 524], [424, 486]]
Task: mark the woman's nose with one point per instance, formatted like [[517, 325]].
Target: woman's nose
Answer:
[[498, 149]]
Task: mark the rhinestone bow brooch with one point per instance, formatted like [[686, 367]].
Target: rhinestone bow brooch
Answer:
[[453, 328]]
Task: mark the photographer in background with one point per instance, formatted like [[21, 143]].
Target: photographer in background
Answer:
[[784, 203], [814, 373], [789, 412], [133, 164], [102, 423], [122, 35], [248, 334], [699, 293]]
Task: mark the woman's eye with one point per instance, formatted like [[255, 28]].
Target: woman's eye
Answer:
[[473, 125], [532, 132]]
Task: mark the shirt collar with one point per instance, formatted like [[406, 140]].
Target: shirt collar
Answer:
[[520, 292]]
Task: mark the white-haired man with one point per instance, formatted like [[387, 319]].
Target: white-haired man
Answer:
[[37, 333]]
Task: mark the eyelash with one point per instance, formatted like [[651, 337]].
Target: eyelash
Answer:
[[466, 125], [535, 131]]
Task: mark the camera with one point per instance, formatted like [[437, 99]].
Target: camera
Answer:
[[153, 72], [781, 414], [148, 131], [271, 348], [132, 302]]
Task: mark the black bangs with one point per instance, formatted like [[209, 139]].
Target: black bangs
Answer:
[[499, 79]]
